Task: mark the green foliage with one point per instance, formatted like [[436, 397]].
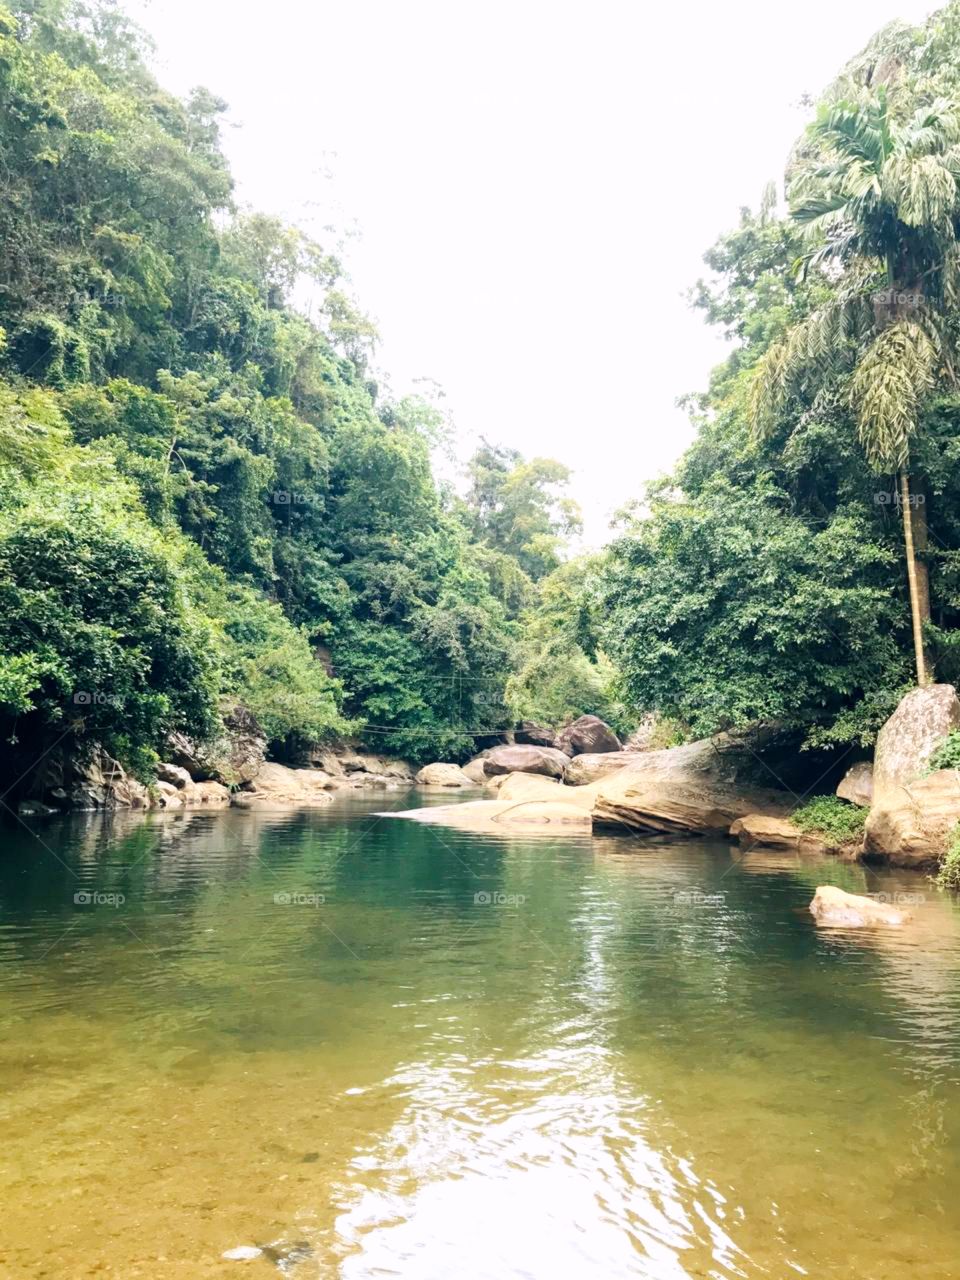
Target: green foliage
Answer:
[[947, 754], [831, 817], [165, 410], [948, 874]]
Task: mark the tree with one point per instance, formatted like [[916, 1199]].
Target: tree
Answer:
[[877, 194]]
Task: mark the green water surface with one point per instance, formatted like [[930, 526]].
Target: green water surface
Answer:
[[387, 1049]]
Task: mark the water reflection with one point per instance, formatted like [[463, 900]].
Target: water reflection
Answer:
[[426, 1053]]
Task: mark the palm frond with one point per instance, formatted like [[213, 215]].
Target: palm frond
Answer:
[[891, 379], [921, 189]]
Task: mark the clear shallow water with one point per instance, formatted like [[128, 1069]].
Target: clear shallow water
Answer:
[[600, 1076]]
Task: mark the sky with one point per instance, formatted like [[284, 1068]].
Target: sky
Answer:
[[524, 191]]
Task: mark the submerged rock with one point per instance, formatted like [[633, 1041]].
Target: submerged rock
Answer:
[[242, 1253], [832, 906]]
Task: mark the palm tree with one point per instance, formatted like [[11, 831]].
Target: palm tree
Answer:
[[878, 198]]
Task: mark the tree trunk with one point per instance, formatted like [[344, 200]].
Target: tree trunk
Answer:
[[919, 605]]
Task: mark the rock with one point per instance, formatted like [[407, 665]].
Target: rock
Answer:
[[234, 758], [212, 794], [381, 766], [34, 809], [913, 812], [695, 788], [506, 816], [911, 825], [526, 759], [443, 775], [475, 771], [168, 796], [909, 738], [530, 734], [642, 737], [528, 786], [582, 770], [175, 774], [831, 906], [856, 784], [99, 782], [242, 1253], [760, 831], [588, 735], [277, 786]]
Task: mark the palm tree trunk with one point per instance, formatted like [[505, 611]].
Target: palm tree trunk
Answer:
[[917, 615]]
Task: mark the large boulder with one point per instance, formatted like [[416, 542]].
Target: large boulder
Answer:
[[832, 906], [582, 770], [175, 774], [277, 786], [912, 825], [526, 759], [475, 771], [913, 812], [589, 734], [909, 738], [699, 788], [856, 785], [530, 734], [443, 775]]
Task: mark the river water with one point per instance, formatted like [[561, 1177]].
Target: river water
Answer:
[[385, 1049]]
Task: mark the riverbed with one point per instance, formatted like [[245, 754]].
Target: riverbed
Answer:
[[374, 1048]]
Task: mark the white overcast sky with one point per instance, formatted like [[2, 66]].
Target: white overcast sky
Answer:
[[534, 185]]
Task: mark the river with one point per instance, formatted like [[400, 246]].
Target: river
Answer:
[[387, 1049]]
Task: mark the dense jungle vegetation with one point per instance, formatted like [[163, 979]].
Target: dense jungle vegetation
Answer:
[[206, 499]]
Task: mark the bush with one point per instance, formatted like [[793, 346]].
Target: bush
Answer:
[[948, 876], [947, 755], [832, 817]]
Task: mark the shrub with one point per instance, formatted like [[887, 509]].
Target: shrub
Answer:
[[948, 876], [832, 817], [947, 755]]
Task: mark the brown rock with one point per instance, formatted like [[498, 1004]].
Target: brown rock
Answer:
[[582, 770], [590, 735], [913, 812], [174, 774], [526, 759], [695, 788], [832, 906], [443, 775], [909, 738], [475, 771], [277, 786], [857, 784], [760, 830], [912, 825]]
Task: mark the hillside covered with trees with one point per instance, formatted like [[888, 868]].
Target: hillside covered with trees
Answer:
[[801, 566], [205, 499]]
